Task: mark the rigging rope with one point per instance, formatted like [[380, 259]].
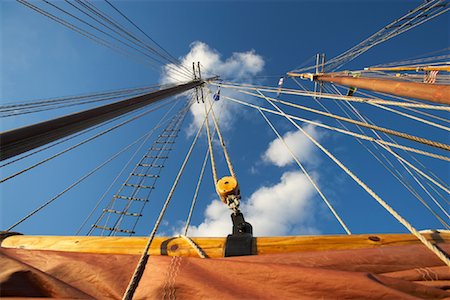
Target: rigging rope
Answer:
[[100, 30], [336, 215], [394, 144], [39, 108], [424, 12], [197, 188], [138, 57], [94, 9], [82, 142], [429, 194], [172, 58], [193, 244], [357, 136], [388, 208], [427, 114], [76, 28], [174, 124], [423, 59], [131, 288], [158, 125], [343, 131], [111, 29], [164, 55], [329, 96], [396, 174], [60, 141], [363, 119], [416, 169], [75, 183], [356, 112], [222, 142], [378, 128], [210, 146], [18, 105], [399, 177], [404, 114]]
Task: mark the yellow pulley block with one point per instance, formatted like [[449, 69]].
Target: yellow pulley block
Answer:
[[227, 186]]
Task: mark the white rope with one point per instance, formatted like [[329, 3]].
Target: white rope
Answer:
[[128, 295], [428, 193], [436, 59], [197, 188], [222, 142], [378, 128], [416, 169], [159, 124], [336, 215], [443, 127], [361, 136], [357, 113], [83, 142], [329, 96], [397, 216], [199, 181], [115, 179], [412, 117], [401, 160], [399, 177], [210, 146], [81, 179], [199, 251]]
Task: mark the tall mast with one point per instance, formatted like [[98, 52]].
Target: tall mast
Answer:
[[20, 140]]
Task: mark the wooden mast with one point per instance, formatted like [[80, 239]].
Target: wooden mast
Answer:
[[439, 93], [20, 140]]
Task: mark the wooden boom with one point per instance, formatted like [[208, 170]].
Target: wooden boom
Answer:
[[445, 68], [439, 93], [212, 247]]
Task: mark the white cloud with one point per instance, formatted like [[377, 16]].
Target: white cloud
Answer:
[[284, 208], [239, 66], [299, 144], [281, 209], [217, 221], [275, 210]]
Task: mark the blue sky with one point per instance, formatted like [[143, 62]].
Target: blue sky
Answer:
[[41, 59]]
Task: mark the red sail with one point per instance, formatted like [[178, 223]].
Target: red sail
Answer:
[[392, 272]]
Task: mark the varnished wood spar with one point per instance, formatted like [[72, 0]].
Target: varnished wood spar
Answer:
[[20, 140], [445, 68], [213, 247], [438, 93]]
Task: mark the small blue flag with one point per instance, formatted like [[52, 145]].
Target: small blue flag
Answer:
[[216, 96]]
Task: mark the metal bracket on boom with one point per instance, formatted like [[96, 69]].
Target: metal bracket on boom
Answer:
[[240, 242]]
